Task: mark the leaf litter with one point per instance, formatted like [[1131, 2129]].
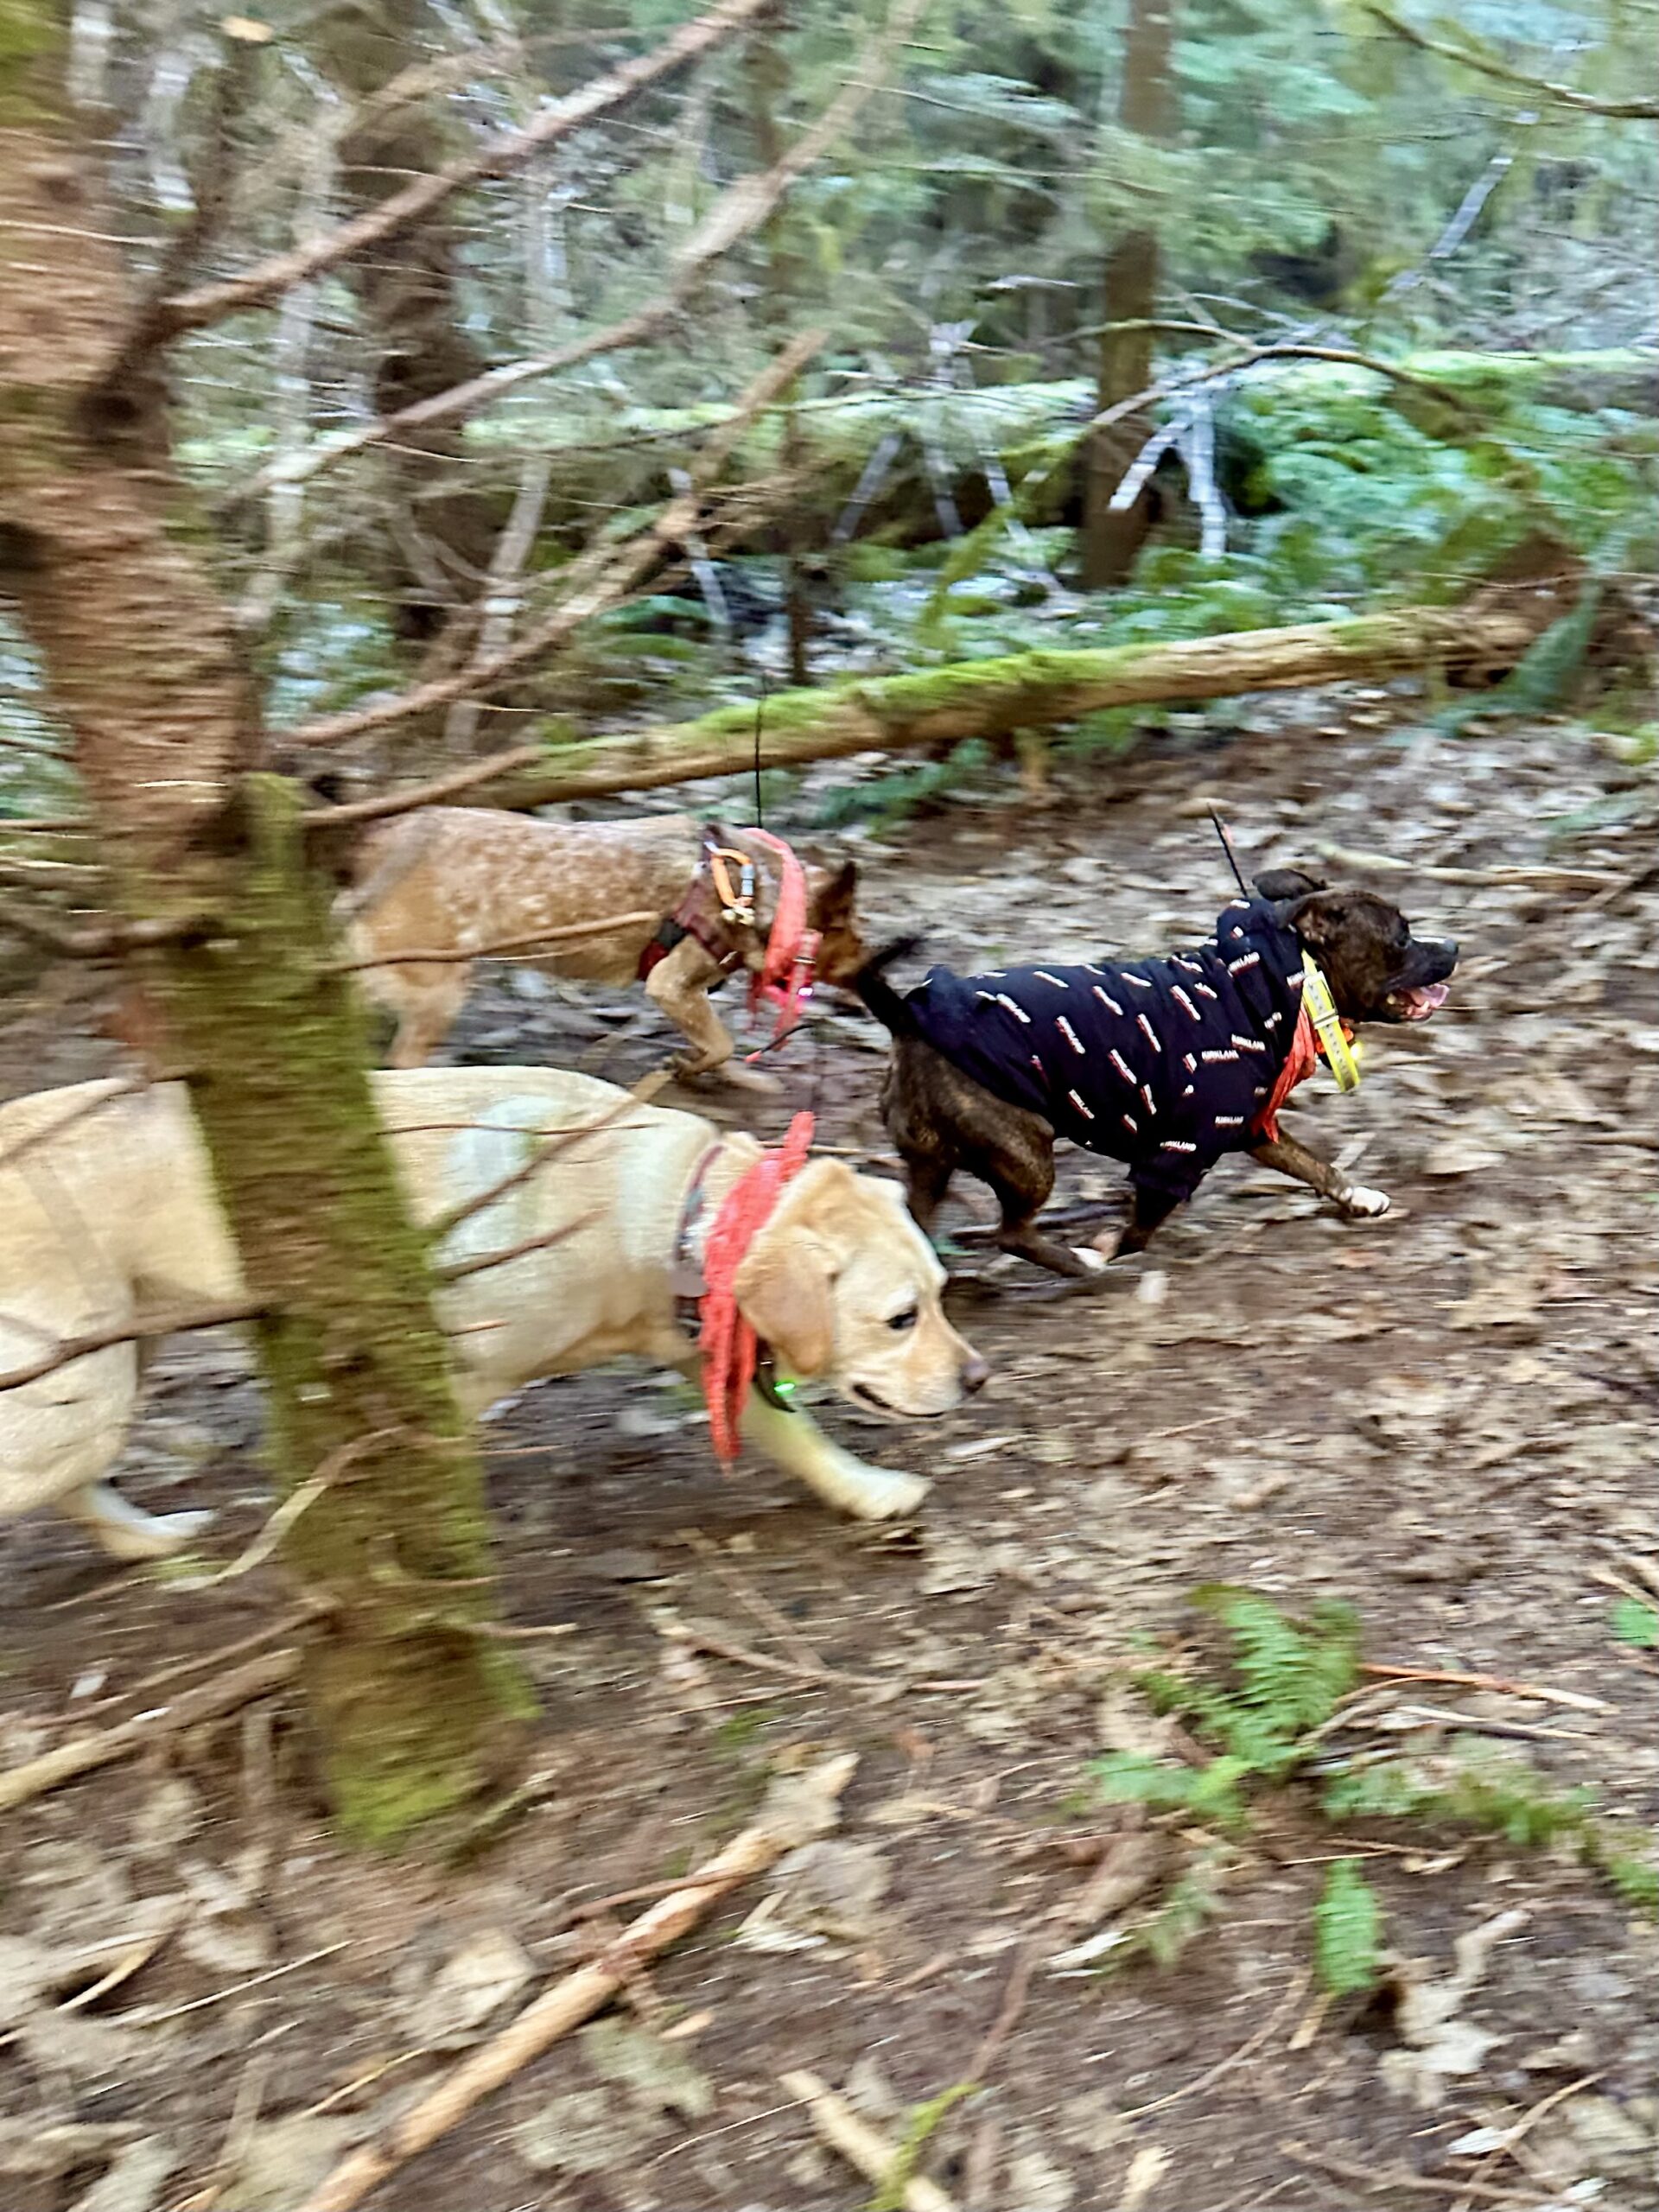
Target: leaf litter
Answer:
[[1447, 1419]]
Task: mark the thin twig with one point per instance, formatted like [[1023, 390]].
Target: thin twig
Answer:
[[104, 940], [155, 2018], [1386, 864], [458, 1270], [300, 1500], [128, 1087], [443, 1225], [503, 948], [64, 1354], [1502, 1683], [1287, 2002], [1489, 66], [502, 157], [1007, 2014], [1397, 2178]]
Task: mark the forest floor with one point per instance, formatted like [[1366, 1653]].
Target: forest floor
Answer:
[[1447, 1419]]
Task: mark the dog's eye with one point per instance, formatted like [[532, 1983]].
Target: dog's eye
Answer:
[[905, 1320]]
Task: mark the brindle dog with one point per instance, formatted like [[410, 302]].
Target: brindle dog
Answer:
[[941, 1120]]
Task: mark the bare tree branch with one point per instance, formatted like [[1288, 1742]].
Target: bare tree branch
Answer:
[[71, 1348], [1587, 103], [740, 210], [600, 576], [258, 287]]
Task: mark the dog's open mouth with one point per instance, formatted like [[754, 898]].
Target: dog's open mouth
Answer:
[[1417, 1004]]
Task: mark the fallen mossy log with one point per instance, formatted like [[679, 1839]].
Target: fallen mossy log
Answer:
[[1035, 691]]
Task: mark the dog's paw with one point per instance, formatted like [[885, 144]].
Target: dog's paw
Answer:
[[1094, 1261], [158, 1535], [884, 1494], [1363, 1204]]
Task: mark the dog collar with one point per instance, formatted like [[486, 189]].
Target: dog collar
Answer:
[[1335, 1042]]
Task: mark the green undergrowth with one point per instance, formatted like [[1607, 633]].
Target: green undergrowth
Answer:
[[1266, 1711]]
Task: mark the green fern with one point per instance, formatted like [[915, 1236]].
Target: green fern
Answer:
[[1506, 1797], [1347, 1924], [1293, 1672]]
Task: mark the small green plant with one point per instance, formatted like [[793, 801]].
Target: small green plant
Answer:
[[922, 2120], [1637, 1622], [1347, 1926]]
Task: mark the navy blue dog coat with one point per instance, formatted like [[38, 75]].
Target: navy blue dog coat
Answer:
[[1164, 1063]]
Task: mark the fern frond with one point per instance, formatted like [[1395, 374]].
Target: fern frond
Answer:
[[1347, 1925]]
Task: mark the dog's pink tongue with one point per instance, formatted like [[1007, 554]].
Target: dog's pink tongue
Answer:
[[1426, 999]]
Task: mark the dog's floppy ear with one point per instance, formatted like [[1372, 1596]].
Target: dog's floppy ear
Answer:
[[1283, 883], [832, 905], [783, 1291]]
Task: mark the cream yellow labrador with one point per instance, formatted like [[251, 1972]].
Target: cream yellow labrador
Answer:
[[107, 1215]]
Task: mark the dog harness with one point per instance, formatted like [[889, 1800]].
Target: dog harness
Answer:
[[720, 902], [1163, 1064], [734, 1357]]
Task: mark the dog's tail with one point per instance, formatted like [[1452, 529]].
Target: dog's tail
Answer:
[[871, 985]]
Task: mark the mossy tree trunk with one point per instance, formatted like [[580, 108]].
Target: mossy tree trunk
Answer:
[[1130, 295], [406, 1696]]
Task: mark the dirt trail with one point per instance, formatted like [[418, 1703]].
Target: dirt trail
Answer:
[[1447, 1419]]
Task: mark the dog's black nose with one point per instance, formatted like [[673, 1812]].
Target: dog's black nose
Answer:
[[975, 1374]]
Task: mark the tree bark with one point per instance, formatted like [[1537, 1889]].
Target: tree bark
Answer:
[[406, 1698], [995, 698], [1111, 541]]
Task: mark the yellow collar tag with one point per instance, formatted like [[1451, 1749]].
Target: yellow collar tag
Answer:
[[1341, 1056]]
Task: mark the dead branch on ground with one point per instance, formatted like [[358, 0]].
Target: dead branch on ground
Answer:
[[83, 1753], [795, 1812]]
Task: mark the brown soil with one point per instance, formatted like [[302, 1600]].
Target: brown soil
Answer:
[[1445, 1418]]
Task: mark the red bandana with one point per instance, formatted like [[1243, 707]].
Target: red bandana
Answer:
[[728, 1344], [791, 949]]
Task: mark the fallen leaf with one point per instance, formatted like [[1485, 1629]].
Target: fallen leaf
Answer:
[[466, 1989], [658, 2076]]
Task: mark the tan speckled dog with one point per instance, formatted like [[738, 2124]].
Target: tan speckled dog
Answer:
[[454, 879]]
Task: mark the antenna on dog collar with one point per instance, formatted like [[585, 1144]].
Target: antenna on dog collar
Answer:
[[1226, 838]]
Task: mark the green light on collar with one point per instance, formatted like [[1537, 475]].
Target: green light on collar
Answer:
[[1341, 1057], [783, 1386]]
